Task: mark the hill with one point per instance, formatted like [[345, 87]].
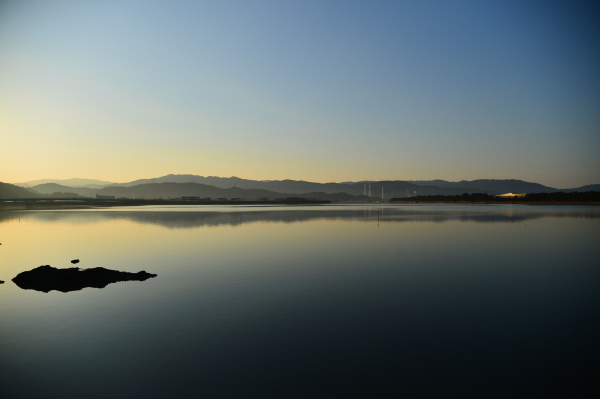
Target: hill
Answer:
[[75, 182], [174, 186], [12, 191], [290, 187], [582, 189], [281, 186], [51, 188], [399, 187], [284, 188], [493, 186], [177, 190]]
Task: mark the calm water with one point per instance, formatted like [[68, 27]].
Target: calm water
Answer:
[[411, 301]]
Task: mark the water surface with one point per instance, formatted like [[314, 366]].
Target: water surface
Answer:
[[305, 302]]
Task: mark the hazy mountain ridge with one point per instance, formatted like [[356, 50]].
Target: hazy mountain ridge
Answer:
[[8, 190], [588, 187], [281, 186], [177, 190], [329, 191], [175, 186], [296, 186], [50, 188], [291, 187], [494, 186], [75, 182]]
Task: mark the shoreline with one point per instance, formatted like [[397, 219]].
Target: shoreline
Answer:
[[501, 202], [78, 204], [91, 204]]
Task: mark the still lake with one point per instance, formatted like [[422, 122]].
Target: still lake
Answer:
[[367, 301]]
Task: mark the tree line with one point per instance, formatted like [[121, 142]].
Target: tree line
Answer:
[[587, 196]]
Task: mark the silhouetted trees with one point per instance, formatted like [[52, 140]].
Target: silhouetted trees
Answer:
[[587, 196]]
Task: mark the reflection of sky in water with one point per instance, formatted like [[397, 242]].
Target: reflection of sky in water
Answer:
[[486, 296], [197, 216]]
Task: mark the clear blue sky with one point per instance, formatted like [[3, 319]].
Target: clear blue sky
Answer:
[[310, 90]]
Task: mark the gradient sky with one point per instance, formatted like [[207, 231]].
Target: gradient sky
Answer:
[[311, 90]]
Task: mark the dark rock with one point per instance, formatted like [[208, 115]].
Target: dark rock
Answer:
[[74, 261], [1, 282], [47, 278]]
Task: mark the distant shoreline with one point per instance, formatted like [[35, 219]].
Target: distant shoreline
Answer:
[[77, 204], [92, 204], [503, 202]]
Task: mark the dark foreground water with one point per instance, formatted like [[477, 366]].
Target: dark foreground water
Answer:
[[413, 301]]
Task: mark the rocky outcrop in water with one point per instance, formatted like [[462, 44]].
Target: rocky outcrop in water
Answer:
[[47, 278]]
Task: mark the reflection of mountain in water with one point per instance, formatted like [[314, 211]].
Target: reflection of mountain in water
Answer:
[[235, 217]]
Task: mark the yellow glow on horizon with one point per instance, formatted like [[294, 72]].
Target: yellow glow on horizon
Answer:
[[34, 150], [122, 163]]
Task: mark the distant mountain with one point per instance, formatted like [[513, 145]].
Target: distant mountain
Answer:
[[493, 186], [283, 186], [290, 187], [51, 188], [281, 189], [391, 187], [91, 183], [174, 186], [436, 182], [12, 191], [589, 187], [222, 182], [177, 190]]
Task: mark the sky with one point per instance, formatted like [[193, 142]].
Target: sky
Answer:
[[322, 90]]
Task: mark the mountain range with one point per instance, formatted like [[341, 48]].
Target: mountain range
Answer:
[[175, 186], [11, 191]]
